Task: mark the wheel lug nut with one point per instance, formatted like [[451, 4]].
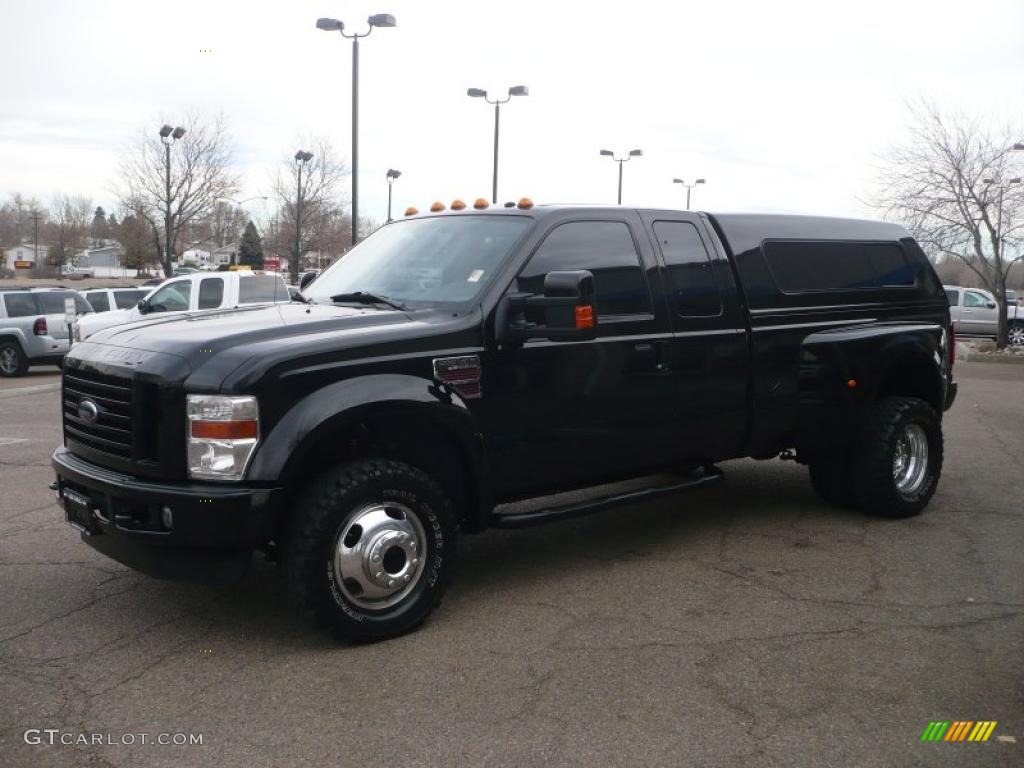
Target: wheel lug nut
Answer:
[[376, 558], [415, 561], [379, 575], [406, 577], [391, 582]]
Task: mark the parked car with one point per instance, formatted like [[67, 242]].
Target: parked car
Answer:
[[32, 329], [72, 272], [106, 299], [192, 293], [179, 271], [537, 350], [974, 313], [153, 281]]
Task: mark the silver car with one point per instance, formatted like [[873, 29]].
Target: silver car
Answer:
[[32, 328]]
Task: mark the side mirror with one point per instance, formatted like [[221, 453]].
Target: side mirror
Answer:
[[564, 312], [143, 307], [991, 305], [305, 280]]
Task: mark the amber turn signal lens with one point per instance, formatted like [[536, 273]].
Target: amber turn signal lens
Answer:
[[436, 207], [410, 211], [585, 316], [851, 383], [458, 205], [480, 204], [525, 203], [225, 430]]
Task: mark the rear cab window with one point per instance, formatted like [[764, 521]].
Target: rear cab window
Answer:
[[953, 296], [692, 284], [258, 289], [211, 292]]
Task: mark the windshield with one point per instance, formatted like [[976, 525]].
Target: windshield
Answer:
[[446, 260]]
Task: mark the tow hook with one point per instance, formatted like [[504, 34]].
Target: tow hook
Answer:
[[787, 455]]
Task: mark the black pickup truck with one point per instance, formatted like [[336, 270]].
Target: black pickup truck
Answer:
[[457, 361]]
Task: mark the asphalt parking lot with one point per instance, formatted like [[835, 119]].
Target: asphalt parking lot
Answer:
[[742, 625]]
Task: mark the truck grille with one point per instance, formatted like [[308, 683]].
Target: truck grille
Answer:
[[98, 412]]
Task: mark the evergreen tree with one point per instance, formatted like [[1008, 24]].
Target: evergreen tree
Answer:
[[251, 250], [100, 229]]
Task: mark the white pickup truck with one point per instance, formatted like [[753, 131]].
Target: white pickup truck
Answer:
[[193, 293]]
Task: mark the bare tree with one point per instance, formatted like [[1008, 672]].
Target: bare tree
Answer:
[[955, 188], [322, 205], [200, 164], [68, 227]]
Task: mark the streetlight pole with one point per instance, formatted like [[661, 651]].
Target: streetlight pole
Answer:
[[479, 93], [391, 175], [632, 153], [301, 157], [688, 188], [168, 136], [333, 25]]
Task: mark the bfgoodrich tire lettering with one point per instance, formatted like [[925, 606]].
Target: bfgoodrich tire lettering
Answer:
[[322, 524], [883, 482]]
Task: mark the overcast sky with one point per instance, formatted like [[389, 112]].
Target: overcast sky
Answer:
[[781, 106]]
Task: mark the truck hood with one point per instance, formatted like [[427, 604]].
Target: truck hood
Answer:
[[215, 343]]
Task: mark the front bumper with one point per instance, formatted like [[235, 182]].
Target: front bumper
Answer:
[[213, 531]]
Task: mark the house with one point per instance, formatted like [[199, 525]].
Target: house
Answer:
[[107, 255], [226, 254], [24, 256]]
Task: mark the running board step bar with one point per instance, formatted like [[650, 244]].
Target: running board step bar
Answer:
[[708, 475]]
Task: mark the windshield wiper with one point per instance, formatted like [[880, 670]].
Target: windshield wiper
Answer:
[[365, 297]]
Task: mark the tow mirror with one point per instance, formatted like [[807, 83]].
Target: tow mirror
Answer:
[[305, 280], [143, 307], [564, 312]]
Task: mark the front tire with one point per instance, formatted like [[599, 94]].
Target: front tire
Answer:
[[12, 360], [371, 548], [899, 459]]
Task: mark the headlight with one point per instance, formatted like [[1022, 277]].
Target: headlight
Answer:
[[222, 435]]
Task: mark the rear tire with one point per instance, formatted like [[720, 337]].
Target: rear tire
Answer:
[[833, 481], [1015, 333], [12, 360], [899, 459], [355, 535]]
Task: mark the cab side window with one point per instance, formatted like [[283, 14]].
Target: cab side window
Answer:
[[173, 297], [98, 300], [693, 288], [211, 292], [606, 248], [973, 299]]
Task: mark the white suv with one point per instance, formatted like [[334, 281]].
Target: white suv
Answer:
[[106, 299], [193, 293]]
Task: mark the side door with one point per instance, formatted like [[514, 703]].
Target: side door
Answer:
[[710, 371], [976, 316], [564, 413]]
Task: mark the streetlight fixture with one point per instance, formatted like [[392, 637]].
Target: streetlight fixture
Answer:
[[688, 188], [168, 136], [301, 158], [383, 20], [391, 175], [480, 93], [620, 161]]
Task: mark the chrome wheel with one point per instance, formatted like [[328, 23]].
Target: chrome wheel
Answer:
[[910, 459], [1016, 334], [379, 555], [9, 360]]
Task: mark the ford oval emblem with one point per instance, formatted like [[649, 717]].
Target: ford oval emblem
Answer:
[[88, 411]]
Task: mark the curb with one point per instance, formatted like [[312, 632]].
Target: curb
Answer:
[[981, 357]]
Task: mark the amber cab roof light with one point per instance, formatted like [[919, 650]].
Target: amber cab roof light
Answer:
[[411, 211], [437, 207], [458, 205], [480, 203], [525, 203]]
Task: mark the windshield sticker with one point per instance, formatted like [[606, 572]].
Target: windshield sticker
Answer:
[[474, 276]]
